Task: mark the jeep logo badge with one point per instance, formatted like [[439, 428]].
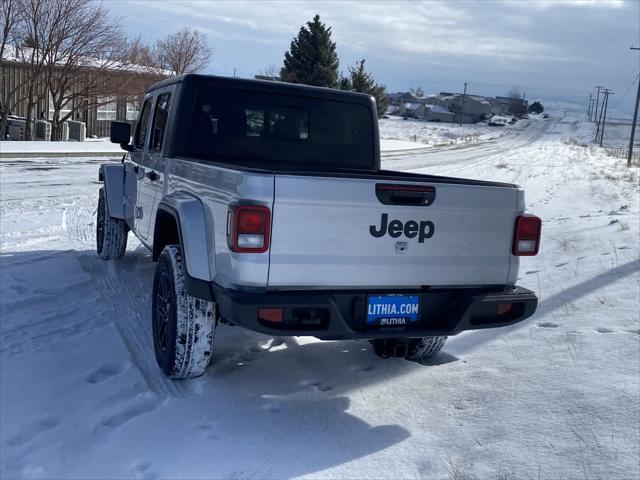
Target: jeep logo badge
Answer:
[[395, 228]]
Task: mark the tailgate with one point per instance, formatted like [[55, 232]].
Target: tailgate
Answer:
[[368, 232]]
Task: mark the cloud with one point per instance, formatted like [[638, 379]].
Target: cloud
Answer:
[[557, 44], [433, 27]]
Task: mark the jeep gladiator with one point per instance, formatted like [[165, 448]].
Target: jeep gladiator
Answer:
[[265, 206]]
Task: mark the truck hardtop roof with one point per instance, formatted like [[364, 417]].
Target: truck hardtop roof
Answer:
[[198, 81]]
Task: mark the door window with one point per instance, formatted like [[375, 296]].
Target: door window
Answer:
[[142, 127], [160, 121]]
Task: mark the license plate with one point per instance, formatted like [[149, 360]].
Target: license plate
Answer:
[[392, 310]]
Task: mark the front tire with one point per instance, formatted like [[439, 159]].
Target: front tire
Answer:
[[183, 325], [111, 233]]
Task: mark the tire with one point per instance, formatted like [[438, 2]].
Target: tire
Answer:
[[416, 349], [423, 349], [183, 326], [111, 233]]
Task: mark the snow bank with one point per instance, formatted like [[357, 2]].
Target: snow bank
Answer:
[[429, 134], [389, 145], [17, 149]]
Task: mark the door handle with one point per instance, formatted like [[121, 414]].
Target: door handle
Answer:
[[153, 176]]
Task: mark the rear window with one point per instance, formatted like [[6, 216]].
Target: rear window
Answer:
[[257, 128]]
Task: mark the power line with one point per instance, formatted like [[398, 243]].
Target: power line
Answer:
[[626, 92]]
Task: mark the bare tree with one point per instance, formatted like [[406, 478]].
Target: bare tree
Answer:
[[185, 51], [515, 93], [11, 16], [72, 51], [32, 48], [516, 96], [88, 50], [141, 53], [271, 71]]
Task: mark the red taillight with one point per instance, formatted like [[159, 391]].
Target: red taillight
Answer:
[[505, 308], [272, 315], [526, 239], [248, 228]]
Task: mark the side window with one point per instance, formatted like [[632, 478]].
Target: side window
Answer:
[[160, 121], [143, 125]]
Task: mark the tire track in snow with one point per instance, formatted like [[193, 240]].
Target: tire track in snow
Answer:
[[121, 279], [450, 160]]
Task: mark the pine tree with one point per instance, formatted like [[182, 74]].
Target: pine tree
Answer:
[[536, 107], [363, 82], [345, 82], [312, 57]]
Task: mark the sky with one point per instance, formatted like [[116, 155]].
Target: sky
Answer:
[[547, 48]]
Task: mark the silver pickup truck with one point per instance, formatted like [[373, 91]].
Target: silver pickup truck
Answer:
[[265, 206]]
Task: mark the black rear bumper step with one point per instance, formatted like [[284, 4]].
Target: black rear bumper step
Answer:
[[341, 314]]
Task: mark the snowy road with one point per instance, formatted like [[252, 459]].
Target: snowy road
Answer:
[[450, 159], [554, 397]]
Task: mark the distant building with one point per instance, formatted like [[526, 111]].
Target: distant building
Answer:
[[515, 106], [404, 97], [412, 110], [472, 108], [498, 107], [450, 107], [98, 111], [393, 110], [438, 113]]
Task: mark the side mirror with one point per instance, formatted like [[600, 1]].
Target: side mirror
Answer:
[[121, 133]]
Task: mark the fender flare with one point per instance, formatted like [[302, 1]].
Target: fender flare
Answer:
[[188, 214], [113, 178]]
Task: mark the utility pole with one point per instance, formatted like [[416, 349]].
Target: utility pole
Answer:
[[635, 119], [599, 118], [607, 92], [597, 100], [462, 107], [593, 102], [589, 107]]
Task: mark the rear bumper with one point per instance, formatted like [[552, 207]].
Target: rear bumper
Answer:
[[336, 315]]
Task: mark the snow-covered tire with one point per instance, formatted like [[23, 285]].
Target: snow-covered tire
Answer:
[[422, 349], [111, 233], [183, 326], [416, 349]]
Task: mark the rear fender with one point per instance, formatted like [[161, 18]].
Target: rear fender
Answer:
[[113, 178], [189, 217]]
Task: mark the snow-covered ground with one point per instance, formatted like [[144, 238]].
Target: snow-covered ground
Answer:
[[554, 397], [434, 134]]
